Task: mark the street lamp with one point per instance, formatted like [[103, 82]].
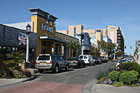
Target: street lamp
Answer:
[[28, 31]]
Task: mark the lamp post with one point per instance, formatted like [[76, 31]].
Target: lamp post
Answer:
[[28, 31]]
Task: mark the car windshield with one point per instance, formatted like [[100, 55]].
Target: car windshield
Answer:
[[81, 57], [44, 58], [73, 58], [122, 61], [96, 58]]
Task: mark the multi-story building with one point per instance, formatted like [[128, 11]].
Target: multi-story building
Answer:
[[84, 38], [111, 34]]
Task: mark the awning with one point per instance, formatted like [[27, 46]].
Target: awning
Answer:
[[51, 38]]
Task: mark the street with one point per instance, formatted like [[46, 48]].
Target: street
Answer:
[[72, 81]]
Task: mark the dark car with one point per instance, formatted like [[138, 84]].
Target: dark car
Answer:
[[76, 62], [103, 59], [97, 61]]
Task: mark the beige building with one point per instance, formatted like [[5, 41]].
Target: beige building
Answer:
[[112, 32]]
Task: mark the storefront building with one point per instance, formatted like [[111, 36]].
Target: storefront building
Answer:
[[43, 40], [48, 40]]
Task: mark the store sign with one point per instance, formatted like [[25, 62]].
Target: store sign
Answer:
[[45, 27], [22, 37]]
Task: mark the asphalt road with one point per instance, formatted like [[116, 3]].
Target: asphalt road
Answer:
[[72, 81]]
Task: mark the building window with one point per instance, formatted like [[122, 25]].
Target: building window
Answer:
[[43, 51], [74, 31], [43, 43]]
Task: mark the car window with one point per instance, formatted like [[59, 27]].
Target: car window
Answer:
[[85, 57], [122, 61], [72, 58], [61, 58], [58, 58], [53, 57], [44, 58], [81, 57]]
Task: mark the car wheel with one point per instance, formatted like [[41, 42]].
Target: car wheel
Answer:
[[77, 66], [84, 65], [67, 67], [40, 70], [56, 69]]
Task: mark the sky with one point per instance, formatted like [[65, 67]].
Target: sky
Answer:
[[92, 14]]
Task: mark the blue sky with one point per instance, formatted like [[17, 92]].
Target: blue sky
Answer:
[[93, 14]]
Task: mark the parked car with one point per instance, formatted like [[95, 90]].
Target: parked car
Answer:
[[76, 62], [97, 61], [51, 62], [88, 59], [104, 59], [120, 62]]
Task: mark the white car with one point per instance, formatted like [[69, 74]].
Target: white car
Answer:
[[119, 62], [88, 59]]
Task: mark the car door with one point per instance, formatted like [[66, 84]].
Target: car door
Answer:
[[62, 62]]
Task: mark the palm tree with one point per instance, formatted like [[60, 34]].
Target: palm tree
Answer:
[[73, 46]]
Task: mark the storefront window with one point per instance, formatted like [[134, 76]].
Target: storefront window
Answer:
[[43, 43]]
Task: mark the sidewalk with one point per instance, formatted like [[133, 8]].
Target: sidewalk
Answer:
[[92, 87], [7, 82], [4, 81]]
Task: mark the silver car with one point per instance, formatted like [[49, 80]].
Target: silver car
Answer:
[[50, 62]]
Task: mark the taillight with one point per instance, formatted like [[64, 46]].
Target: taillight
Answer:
[[51, 62], [76, 60], [88, 60], [35, 62]]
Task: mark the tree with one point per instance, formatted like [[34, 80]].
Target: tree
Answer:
[[106, 46], [74, 46], [120, 53], [95, 52]]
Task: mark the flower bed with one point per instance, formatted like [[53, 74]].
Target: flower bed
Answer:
[[127, 75]]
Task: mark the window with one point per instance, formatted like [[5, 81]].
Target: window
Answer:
[[43, 51], [43, 43], [53, 57], [74, 31], [44, 58]]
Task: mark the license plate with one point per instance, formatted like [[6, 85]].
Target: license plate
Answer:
[[43, 63]]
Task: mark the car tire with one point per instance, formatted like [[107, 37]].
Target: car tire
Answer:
[[56, 69], [78, 66], [40, 70], [67, 67], [84, 65]]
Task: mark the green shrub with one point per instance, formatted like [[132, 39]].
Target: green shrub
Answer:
[[130, 66], [118, 84], [135, 72], [101, 75], [114, 75], [128, 77], [103, 79], [17, 57]]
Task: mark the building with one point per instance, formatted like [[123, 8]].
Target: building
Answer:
[[43, 40], [85, 44], [13, 39], [84, 38], [111, 34]]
